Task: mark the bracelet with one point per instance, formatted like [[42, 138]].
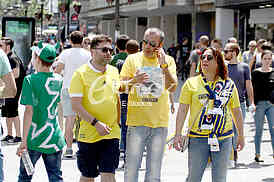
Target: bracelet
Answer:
[[94, 121], [178, 135]]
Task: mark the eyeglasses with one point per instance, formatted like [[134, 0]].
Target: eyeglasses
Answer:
[[105, 49], [227, 51], [86, 43], [151, 43], [207, 57]]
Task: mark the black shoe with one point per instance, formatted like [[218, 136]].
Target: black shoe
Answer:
[[7, 138], [257, 159], [17, 139]]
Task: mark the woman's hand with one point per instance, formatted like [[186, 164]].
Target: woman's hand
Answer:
[[21, 148], [240, 143], [177, 143]]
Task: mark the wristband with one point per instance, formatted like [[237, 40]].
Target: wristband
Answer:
[[94, 121]]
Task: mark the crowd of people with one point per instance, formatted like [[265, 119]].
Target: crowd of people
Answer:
[[116, 103]]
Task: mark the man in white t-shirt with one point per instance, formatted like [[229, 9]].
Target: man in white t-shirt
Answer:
[[70, 60]]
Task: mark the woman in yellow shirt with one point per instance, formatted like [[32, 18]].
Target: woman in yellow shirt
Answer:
[[213, 100]]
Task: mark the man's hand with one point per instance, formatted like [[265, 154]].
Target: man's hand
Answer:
[[177, 144], [240, 143], [140, 77], [161, 56], [102, 128], [21, 148]]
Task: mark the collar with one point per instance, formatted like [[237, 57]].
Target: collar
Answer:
[[93, 68]]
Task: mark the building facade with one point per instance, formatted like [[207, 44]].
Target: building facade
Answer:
[[174, 17], [252, 19], [243, 19]]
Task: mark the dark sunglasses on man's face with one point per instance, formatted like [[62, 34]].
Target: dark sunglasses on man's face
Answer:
[[207, 57], [106, 50], [151, 43]]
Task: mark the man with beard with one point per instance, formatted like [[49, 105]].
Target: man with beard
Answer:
[[239, 72], [94, 95]]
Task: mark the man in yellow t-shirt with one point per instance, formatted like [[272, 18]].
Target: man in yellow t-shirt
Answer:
[[148, 77], [94, 94]]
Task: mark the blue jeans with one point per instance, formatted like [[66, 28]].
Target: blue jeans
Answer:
[[235, 137], [198, 154], [52, 163], [263, 108], [154, 139], [124, 101]]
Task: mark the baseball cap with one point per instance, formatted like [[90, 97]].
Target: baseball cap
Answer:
[[46, 52]]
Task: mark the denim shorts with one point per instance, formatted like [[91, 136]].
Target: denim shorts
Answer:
[[66, 103], [101, 156]]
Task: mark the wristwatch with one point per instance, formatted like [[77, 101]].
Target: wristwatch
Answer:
[[163, 66], [94, 121]]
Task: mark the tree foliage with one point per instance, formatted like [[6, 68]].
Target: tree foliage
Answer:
[[19, 7]]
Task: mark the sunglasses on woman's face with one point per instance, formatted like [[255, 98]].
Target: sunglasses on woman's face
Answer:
[[207, 57]]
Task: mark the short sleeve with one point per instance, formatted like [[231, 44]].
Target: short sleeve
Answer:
[[185, 95], [128, 69], [26, 95], [172, 67], [234, 102], [247, 72], [62, 57], [4, 65], [76, 85]]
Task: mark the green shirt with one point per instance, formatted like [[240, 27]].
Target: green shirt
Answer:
[[42, 91], [118, 60]]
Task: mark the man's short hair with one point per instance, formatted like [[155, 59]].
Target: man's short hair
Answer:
[[204, 40], [267, 46], [132, 46], [96, 40], [252, 42], [121, 42], [155, 30], [8, 41], [261, 41], [76, 37], [235, 47], [232, 40], [217, 41]]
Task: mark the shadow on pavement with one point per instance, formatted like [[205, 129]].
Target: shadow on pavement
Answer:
[[268, 180], [255, 165], [263, 141]]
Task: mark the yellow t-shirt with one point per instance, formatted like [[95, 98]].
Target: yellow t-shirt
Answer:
[[148, 105], [99, 97], [194, 93]]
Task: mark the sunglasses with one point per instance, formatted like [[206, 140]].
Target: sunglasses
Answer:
[[207, 57], [227, 51], [151, 43], [106, 50]]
